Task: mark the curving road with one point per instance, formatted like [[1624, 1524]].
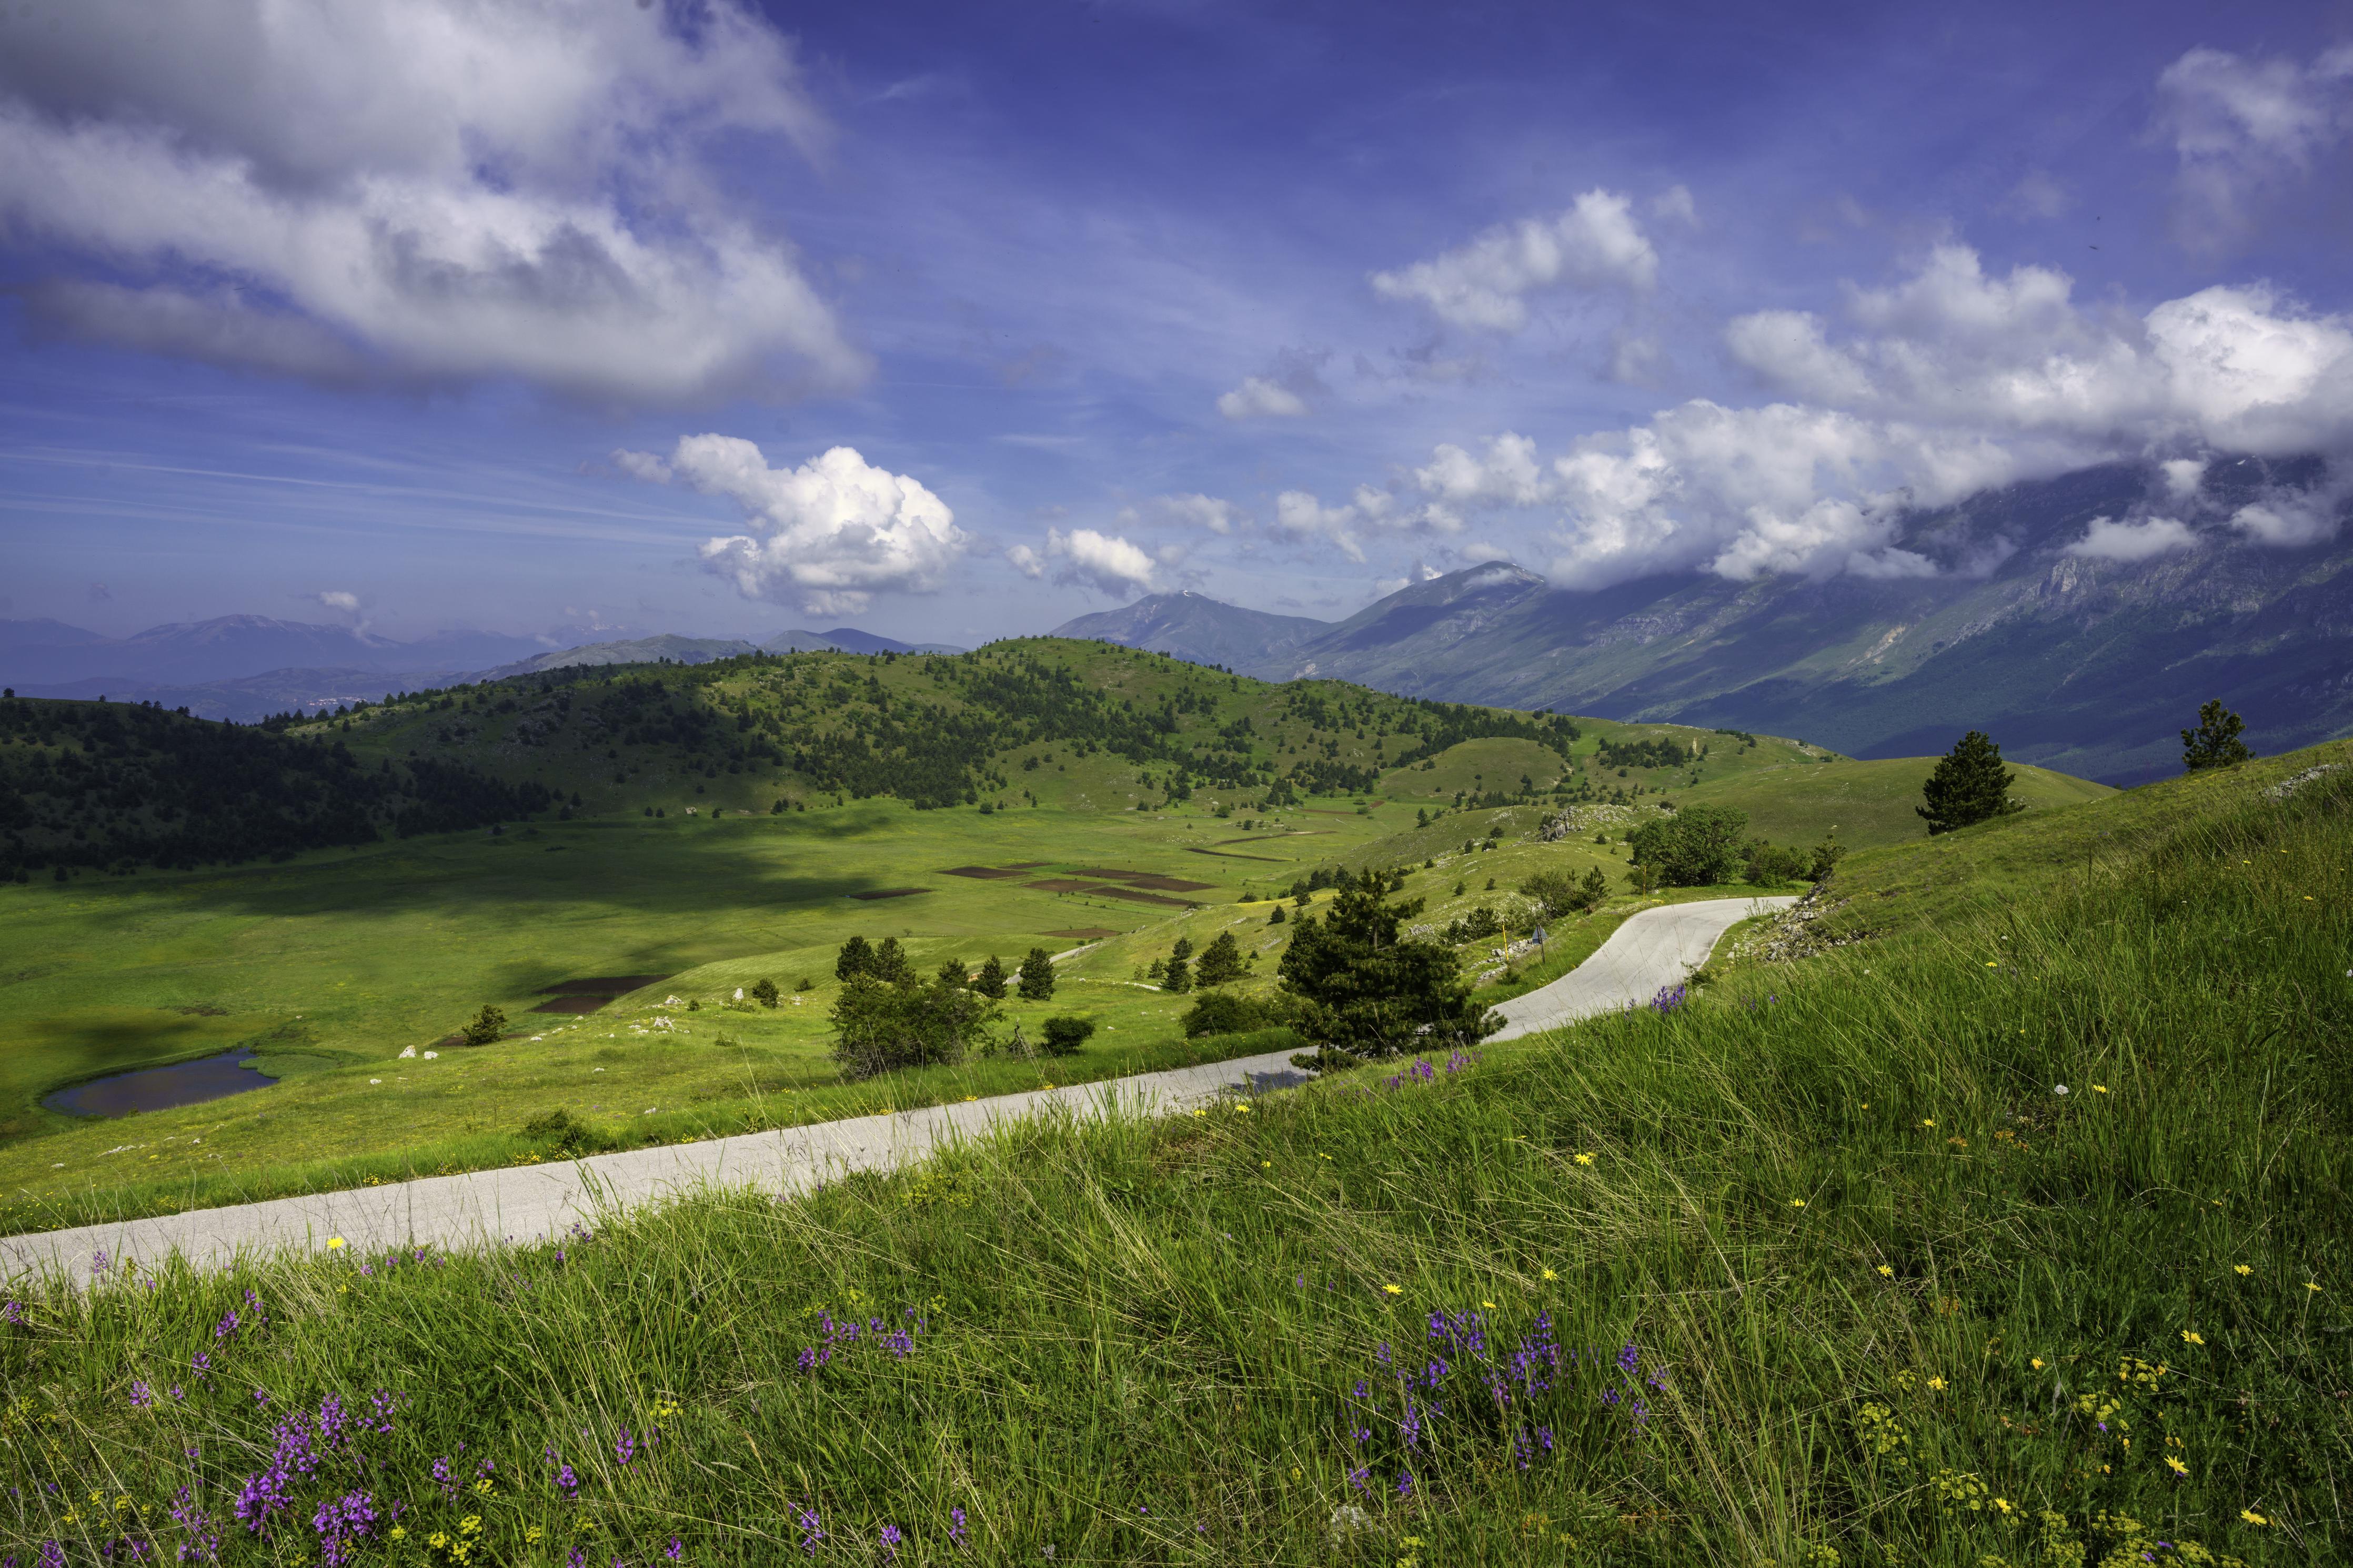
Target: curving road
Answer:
[[540, 1203], [1651, 950]]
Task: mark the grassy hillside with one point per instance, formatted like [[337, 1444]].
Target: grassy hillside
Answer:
[[1864, 804], [333, 962], [1822, 1267]]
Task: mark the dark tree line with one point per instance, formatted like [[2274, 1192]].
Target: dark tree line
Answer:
[[115, 786]]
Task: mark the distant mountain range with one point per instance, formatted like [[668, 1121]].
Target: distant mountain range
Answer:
[[247, 668], [1192, 627], [2086, 665], [2079, 662]]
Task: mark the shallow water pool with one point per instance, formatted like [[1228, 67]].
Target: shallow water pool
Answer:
[[162, 1088]]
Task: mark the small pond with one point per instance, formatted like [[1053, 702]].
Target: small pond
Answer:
[[162, 1088]]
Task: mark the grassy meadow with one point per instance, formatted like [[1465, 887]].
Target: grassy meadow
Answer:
[[2006, 1228], [332, 965]]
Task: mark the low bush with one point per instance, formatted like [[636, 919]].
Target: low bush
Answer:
[[1063, 1037]]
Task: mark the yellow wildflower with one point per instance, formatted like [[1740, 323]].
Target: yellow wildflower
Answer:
[[2099, 1088], [1797, 1203], [2312, 1285], [1240, 1106], [1887, 1271], [1392, 1289], [1490, 1305], [1936, 1385], [1993, 963], [334, 1243], [2251, 1517], [2176, 1465], [1584, 1159], [2192, 1337], [1930, 1122], [1550, 1275], [2241, 1269]]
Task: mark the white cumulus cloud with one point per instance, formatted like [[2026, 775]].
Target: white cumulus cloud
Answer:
[[337, 599], [827, 535], [412, 192], [1594, 243], [1259, 398], [1192, 510], [1100, 561], [2246, 129], [2107, 539]]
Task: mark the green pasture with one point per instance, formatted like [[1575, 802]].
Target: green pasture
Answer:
[[1863, 805], [332, 965], [2010, 1233]]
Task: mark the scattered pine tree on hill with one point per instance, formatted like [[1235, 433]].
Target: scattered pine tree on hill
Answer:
[[990, 981], [2215, 742], [1036, 976], [1220, 963], [1970, 786], [1372, 992]]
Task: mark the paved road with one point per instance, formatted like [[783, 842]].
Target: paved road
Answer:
[[1652, 949], [538, 1202]]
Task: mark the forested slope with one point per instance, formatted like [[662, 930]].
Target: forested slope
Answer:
[[114, 787]]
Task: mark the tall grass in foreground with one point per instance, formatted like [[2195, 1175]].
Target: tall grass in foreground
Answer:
[[1823, 1268]]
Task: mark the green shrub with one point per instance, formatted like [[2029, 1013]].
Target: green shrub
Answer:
[[1063, 1037], [485, 1026], [1770, 865], [557, 1129], [882, 1027], [765, 992], [1693, 847]]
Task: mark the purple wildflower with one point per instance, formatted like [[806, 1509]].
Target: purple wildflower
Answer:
[[1405, 1483], [341, 1523], [624, 1448], [11, 1313], [1629, 1358], [675, 1550], [1357, 1478], [955, 1527], [1669, 998], [812, 1529], [891, 1539], [201, 1365], [141, 1397]]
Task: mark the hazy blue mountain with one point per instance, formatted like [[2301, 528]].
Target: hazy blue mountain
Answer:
[[848, 639], [251, 697], [2089, 666], [229, 647], [632, 650], [44, 633], [1189, 626]]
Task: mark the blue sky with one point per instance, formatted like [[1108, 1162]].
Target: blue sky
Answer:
[[549, 317]]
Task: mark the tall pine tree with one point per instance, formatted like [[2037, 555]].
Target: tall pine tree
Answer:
[[2215, 742], [1372, 992], [1969, 785]]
